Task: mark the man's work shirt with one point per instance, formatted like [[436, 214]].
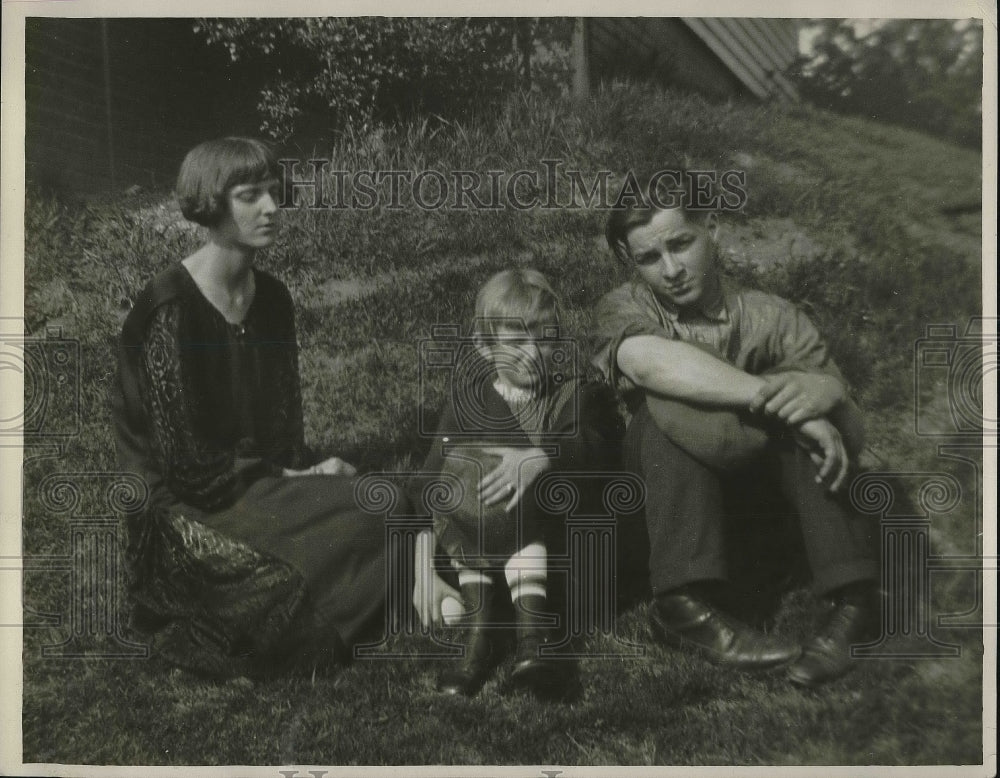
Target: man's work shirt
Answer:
[[752, 330]]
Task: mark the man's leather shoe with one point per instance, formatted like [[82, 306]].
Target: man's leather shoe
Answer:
[[684, 621], [828, 655]]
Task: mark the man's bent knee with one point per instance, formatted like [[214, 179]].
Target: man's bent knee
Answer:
[[719, 438]]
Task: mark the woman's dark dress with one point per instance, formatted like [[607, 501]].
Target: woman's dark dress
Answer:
[[234, 568]]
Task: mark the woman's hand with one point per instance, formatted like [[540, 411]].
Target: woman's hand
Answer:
[[335, 466], [511, 479], [331, 466], [429, 589], [795, 396], [826, 449]]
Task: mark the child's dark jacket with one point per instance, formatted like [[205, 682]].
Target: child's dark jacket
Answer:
[[575, 423]]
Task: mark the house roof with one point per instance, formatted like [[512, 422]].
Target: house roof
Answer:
[[756, 51]]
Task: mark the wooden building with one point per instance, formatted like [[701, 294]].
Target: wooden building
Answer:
[[722, 57], [116, 102]]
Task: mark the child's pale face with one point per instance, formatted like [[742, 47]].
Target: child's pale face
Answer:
[[522, 357]]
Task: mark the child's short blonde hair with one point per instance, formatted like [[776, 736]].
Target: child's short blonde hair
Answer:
[[515, 298]]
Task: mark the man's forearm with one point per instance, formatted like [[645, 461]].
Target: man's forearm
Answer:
[[685, 371]]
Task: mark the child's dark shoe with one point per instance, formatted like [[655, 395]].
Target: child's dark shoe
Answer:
[[473, 631], [551, 678], [468, 675], [545, 676], [530, 667]]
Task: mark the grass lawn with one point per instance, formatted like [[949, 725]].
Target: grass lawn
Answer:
[[843, 216]]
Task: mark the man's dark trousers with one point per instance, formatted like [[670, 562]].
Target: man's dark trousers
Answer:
[[687, 503]]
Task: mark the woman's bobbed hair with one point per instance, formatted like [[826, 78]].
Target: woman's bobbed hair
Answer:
[[214, 167]]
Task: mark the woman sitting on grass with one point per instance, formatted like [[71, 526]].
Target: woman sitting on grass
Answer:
[[518, 411], [250, 556]]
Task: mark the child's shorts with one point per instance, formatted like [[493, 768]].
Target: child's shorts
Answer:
[[476, 535]]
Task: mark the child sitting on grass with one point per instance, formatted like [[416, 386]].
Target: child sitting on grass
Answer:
[[518, 410]]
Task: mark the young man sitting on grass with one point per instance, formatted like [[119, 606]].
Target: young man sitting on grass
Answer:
[[722, 381]]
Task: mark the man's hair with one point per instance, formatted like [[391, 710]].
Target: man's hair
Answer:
[[639, 209], [514, 298], [214, 167]]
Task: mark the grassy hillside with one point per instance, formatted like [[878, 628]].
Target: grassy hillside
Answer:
[[843, 216]]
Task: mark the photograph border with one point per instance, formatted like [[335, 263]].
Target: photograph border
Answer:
[[12, 309]]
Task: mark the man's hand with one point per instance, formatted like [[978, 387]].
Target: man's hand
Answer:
[[826, 449], [511, 479], [429, 589], [795, 397]]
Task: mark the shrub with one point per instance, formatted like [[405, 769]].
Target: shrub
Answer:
[[362, 70]]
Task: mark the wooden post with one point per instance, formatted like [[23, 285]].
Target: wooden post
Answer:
[[581, 59], [106, 57], [524, 40]]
